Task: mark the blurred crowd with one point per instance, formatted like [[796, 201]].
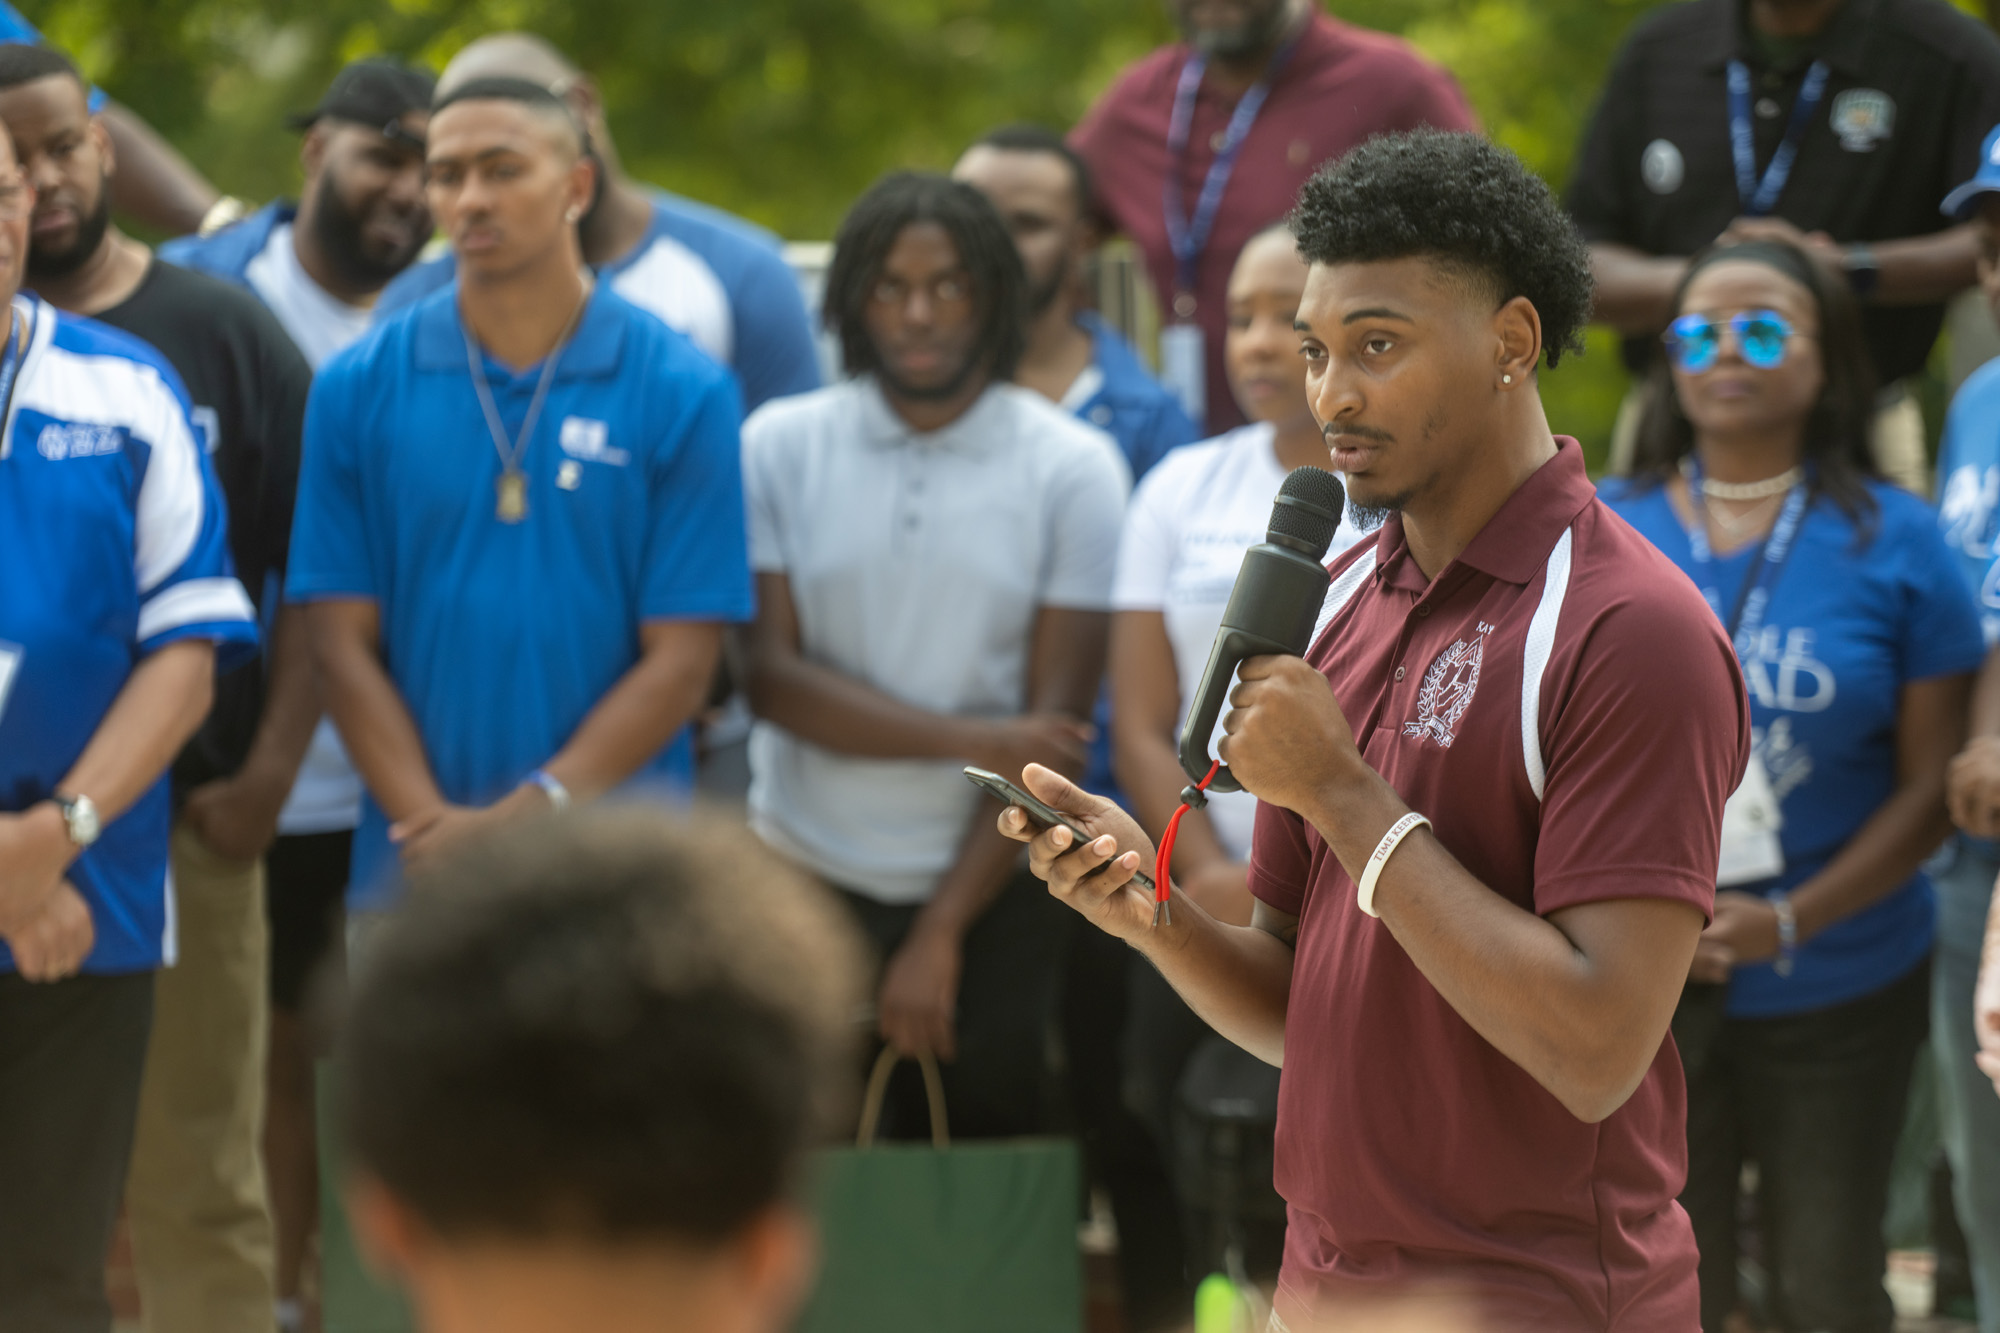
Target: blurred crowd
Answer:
[[480, 480]]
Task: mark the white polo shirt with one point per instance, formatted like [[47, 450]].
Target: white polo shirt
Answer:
[[917, 563]]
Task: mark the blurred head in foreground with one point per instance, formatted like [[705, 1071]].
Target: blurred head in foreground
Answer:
[[580, 1071]]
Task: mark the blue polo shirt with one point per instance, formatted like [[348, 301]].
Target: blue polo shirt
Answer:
[[112, 545], [1130, 405], [714, 277], [501, 637], [1855, 615]]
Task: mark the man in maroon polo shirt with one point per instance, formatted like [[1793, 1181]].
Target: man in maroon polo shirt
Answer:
[[1478, 1087], [1271, 89]]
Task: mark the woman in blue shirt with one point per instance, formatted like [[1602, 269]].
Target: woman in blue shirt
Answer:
[[1808, 995]]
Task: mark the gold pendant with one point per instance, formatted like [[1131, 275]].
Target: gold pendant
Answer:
[[512, 505]]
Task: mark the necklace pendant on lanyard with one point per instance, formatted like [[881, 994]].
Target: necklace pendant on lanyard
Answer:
[[1753, 600], [511, 502]]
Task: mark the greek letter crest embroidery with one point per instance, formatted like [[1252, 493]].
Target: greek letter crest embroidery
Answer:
[[1447, 690]]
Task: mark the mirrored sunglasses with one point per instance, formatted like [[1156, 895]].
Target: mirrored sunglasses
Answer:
[[1695, 341]]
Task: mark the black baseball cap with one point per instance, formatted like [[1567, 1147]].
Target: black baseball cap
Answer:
[[377, 92]]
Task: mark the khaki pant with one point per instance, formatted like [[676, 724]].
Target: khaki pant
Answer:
[[201, 1224], [1897, 443]]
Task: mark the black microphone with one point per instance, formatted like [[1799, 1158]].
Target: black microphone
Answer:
[[1273, 607]]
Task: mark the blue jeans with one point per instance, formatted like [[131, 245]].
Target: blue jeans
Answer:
[[1968, 1108]]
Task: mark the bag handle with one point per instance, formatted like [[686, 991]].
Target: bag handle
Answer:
[[878, 1091]]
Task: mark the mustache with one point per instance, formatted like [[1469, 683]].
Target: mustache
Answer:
[[1333, 428]]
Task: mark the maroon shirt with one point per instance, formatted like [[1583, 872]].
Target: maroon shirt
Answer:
[[1341, 85], [1564, 707]]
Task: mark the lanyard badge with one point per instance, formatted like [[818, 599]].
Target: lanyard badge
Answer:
[[1759, 197], [1183, 357]]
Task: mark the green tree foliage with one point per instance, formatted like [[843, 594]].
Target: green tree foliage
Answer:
[[782, 110]]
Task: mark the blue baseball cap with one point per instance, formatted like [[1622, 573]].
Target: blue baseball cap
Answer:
[[1958, 204]]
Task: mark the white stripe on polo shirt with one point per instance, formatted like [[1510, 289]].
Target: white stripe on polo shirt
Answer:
[[1343, 588], [192, 603], [1535, 657]]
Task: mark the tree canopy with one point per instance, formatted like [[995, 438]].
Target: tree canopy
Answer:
[[784, 110]]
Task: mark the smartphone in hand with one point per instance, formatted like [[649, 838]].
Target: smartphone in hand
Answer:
[[1040, 815]]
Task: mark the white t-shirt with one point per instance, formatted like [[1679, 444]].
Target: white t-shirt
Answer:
[[917, 564], [1192, 518], [326, 797]]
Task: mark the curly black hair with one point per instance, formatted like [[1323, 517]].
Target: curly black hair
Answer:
[[1461, 200]]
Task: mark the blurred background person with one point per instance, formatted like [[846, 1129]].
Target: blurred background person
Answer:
[[319, 266], [1225, 126], [934, 549], [1969, 517], [1809, 993], [714, 277], [196, 1196], [1854, 117], [158, 189], [1190, 521], [520, 523], [117, 607], [1073, 358], [520, 1164]]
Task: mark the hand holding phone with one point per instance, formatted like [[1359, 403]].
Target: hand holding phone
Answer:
[[1038, 814]]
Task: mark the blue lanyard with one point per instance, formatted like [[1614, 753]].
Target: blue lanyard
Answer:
[[1189, 237], [10, 361], [1755, 598], [1760, 197]]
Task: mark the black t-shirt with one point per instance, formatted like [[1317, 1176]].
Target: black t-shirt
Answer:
[[1914, 88], [248, 385]]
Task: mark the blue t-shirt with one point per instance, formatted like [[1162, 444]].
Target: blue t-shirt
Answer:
[[1969, 489], [1849, 625], [502, 637], [715, 278], [114, 533]]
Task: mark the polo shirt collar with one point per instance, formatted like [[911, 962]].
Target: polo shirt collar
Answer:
[[592, 353], [1516, 541], [1844, 44], [972, 434]]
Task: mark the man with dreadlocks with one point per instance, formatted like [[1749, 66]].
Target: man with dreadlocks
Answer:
[[933, 548]]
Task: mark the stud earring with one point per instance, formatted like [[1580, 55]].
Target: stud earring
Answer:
[[572, 215], [1506, 379]]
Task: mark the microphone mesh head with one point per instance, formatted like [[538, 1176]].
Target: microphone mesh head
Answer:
[[1308, 508]]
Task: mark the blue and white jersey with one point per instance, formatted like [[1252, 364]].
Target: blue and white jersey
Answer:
[[715, 278], [113, 533], [501, 637], [1969, 490], [1854, 616], [1119, 396]]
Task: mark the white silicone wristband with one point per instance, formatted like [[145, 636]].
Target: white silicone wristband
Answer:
[[551, 787], [1364, 892]]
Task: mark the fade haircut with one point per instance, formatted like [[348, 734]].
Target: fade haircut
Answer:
[[903, 199], [606, 1027], [1040, 139], [25, 62], [1465, 203], [528, 93]]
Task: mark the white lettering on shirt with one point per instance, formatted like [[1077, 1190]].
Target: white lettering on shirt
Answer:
[[60, 440], [587, 440], [1781, 672]]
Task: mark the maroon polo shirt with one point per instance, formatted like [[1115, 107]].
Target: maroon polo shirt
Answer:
[[1564, 707], [1341, 85]]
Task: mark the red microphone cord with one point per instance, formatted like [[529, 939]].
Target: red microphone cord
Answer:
[[1163, 888]]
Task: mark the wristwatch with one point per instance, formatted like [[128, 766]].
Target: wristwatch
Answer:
[[80, 818], [1863, 272]]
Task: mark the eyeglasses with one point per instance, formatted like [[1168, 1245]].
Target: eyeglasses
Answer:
[[1695, 341], [17, 196]]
